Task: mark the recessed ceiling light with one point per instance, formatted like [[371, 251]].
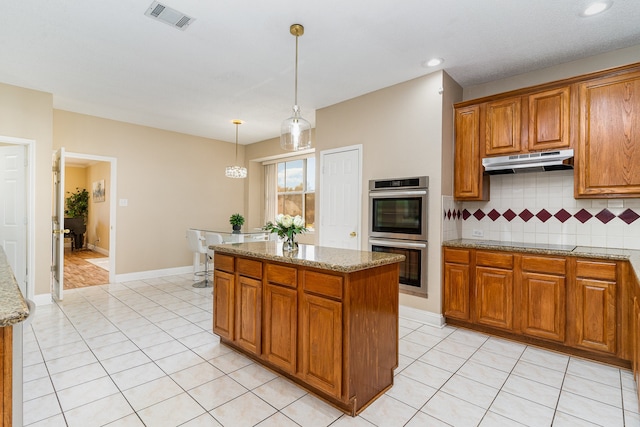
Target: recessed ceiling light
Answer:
[[433, 62], [596, 8]]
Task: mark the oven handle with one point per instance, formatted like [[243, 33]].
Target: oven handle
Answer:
[[397, 244], [397, 193]]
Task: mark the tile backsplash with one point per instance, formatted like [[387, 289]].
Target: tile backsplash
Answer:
[[540, 208]]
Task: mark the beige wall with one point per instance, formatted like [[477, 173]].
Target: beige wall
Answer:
[[591, 64], [401, 131], [99, 222], [26, 113], [171, 181]]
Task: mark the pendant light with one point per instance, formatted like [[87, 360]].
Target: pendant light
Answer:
[[296, 131], [236, 171]]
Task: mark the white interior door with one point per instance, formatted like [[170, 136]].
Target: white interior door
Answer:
[[57, 225], [340, 197], [13, 214]]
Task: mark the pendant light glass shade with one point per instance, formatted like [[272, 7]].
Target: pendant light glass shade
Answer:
[[295, 133], [236, 171]]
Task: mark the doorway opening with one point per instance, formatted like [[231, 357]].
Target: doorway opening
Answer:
[[86, 253]]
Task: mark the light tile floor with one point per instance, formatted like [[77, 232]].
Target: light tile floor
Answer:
[[142, 353]]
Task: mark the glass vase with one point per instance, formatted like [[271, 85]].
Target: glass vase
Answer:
[[290, 244]]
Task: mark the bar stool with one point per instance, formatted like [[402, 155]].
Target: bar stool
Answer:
[[198, 246]]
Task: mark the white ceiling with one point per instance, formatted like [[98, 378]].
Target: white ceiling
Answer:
[[236, 60]]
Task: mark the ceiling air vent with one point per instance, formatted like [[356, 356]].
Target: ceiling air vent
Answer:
[[169, 16]]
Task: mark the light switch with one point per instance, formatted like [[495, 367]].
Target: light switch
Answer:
[[124, 202]]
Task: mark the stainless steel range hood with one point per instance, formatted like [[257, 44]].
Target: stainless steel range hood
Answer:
[[530, 162]]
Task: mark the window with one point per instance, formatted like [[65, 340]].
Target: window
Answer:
[[296, 189]]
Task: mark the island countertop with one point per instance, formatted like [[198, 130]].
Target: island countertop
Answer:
[[333, 259], [13, 308]]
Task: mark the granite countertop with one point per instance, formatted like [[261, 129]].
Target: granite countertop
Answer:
[[633, 256], [13, 308], [333, 259]]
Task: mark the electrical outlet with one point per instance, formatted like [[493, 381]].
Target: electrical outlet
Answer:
[[478, 233]]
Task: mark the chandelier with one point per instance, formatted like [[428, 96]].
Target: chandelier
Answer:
[[236, 171]]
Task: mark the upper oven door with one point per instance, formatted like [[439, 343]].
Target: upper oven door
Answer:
[[398, 214]]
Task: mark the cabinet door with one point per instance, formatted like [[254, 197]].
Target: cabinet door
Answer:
[[248, 313], [543, 306], [503, 127], [635, 340], [595, 322], [280, 321], [223, 304], [469, 182], [607, 158], [494, 297], [321, 335], [549, 120], [456, 290]]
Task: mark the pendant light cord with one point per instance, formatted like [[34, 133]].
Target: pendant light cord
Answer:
[[296, 79]]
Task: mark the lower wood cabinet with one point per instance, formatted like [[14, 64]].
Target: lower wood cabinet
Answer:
[[6, 376], [334, 333], [493, 290], [593, 306], [543, 297], [564, 303]]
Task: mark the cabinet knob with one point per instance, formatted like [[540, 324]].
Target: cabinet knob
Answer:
[[352, 234]]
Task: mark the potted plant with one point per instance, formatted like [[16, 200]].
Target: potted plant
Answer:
[[236, 220], [76, 212]]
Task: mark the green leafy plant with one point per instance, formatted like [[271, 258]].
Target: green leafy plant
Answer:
[[236, 219], [77, 204]]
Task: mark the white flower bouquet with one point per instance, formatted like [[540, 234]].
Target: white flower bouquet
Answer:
[[286, 226]]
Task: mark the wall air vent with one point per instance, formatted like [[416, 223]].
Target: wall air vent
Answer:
[[169, 16]]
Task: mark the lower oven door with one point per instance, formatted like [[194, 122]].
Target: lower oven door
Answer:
[[413, 270]]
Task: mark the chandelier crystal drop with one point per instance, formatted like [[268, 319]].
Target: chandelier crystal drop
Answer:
[[236, 171], [295, 133]]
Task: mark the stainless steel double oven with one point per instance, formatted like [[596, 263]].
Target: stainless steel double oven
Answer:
[[398, 216]]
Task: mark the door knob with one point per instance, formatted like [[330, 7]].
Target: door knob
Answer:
[[352, 234]]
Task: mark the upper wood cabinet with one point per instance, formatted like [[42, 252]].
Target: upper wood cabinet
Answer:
[[469, 182], [503, 127], [549, 119], [608, 152]]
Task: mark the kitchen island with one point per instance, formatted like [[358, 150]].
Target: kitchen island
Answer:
[[13, 309], [325, 318]]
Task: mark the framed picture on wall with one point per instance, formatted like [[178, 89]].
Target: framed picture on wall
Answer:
[[98, 191]]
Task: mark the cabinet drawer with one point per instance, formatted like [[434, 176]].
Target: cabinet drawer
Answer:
[[286, 276], [323, 284], [596, 269], [459, 256], [223, 262], [494, 259], [538, 264], [250, 268]]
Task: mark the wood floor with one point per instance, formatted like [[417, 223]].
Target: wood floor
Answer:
[[78, 273]]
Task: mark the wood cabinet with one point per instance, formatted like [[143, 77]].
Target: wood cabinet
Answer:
[[6, 376], [609, 123], [542, 297], [593, 306], [549, 114], [469, 181], [493, 292], [564, 303], [223, 297], [503, 127], [334, 333], [281, 316], [457, 278]]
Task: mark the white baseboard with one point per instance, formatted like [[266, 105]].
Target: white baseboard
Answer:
[[423, 316], [95, 248], [152, 274], [42, 299]]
